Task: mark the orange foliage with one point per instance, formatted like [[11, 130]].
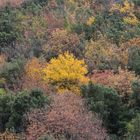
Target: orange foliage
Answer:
[[134, 42], [2, 60], [68, 116], [34, 74], [9, 136]]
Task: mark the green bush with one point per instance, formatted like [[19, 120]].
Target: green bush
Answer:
[[2, 91], [107, 103], [134, 60], [14, 106], [134, 128], [135, 98]]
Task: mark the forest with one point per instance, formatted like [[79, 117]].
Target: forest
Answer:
[[69, 69]]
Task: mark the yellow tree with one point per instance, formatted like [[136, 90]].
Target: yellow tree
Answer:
[[66, 72]]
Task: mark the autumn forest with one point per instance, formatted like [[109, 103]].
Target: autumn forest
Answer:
[[69, 69]]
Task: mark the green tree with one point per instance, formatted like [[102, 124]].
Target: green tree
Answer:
[[14, 106], [134, 59], [108, 104], [10, 30]]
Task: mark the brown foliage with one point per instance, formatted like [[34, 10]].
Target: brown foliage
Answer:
[[69, 117]]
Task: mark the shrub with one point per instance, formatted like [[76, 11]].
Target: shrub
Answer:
[[66, 72], [13, 107], [108, 104]]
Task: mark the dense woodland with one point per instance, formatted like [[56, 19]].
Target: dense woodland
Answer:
[[69, 69]]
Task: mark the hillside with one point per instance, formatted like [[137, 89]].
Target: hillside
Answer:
[[69, 69]]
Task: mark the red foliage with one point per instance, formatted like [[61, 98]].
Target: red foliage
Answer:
[[121, 81], [101, 77], [68, 116]]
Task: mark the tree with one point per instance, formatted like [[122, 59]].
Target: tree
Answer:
[[108, 104], [14, 106], [10, 30], [67, 117], [66, 72]]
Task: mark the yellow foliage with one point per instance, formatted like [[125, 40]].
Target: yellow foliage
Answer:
[[90, 21], [126, 7], [131, 19], [66, 72]]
